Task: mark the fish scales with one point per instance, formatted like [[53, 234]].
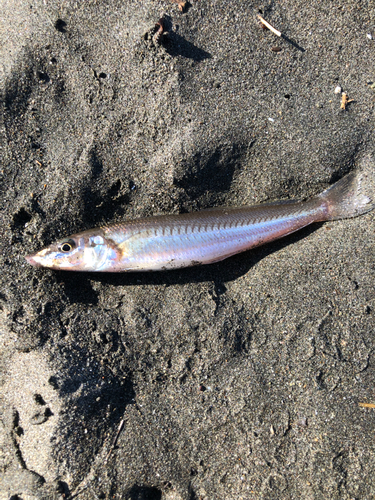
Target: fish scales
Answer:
[[174, 241]]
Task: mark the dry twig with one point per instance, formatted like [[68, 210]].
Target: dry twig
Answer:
[[271, 28], [367, 405], [115, 439]]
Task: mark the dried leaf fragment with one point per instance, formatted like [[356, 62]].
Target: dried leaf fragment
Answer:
[[345, 100], [181, 4]]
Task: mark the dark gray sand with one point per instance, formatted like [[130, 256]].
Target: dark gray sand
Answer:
[[240, 380]]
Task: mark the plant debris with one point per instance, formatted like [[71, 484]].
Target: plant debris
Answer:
[[345, 100], [367, 405], [182, 5], [160, 27], [271, 28], [156, 33]]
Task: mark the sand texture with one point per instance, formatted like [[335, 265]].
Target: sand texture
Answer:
[[239, 380]]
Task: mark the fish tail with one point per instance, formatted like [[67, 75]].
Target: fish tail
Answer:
[[349, 197]]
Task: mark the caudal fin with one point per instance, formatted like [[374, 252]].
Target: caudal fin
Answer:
[[349, 197]]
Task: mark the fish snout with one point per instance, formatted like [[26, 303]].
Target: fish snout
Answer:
[[32, 260]]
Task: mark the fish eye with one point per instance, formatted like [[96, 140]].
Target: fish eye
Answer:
[[67, 246]]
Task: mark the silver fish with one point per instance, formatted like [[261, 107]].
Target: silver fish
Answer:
[[176, 241]]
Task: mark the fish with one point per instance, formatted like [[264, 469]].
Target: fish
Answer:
[[166, 242]]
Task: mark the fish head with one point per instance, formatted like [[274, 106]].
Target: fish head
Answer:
[[85, 251]]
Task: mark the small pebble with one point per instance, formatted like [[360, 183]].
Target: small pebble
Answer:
[[338, 90], [369, 36], [302, 422]]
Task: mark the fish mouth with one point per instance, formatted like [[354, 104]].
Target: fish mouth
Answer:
[[32, 259]]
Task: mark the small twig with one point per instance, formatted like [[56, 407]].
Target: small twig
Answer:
[[86, 484], [344, 100], [367, 405], [115, 439], [271, 28]]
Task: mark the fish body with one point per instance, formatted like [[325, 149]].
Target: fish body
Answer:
[[175, 241]]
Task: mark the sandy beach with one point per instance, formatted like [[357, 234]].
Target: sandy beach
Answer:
[[252, 378]]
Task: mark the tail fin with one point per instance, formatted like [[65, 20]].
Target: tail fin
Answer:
[[349, 197]]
